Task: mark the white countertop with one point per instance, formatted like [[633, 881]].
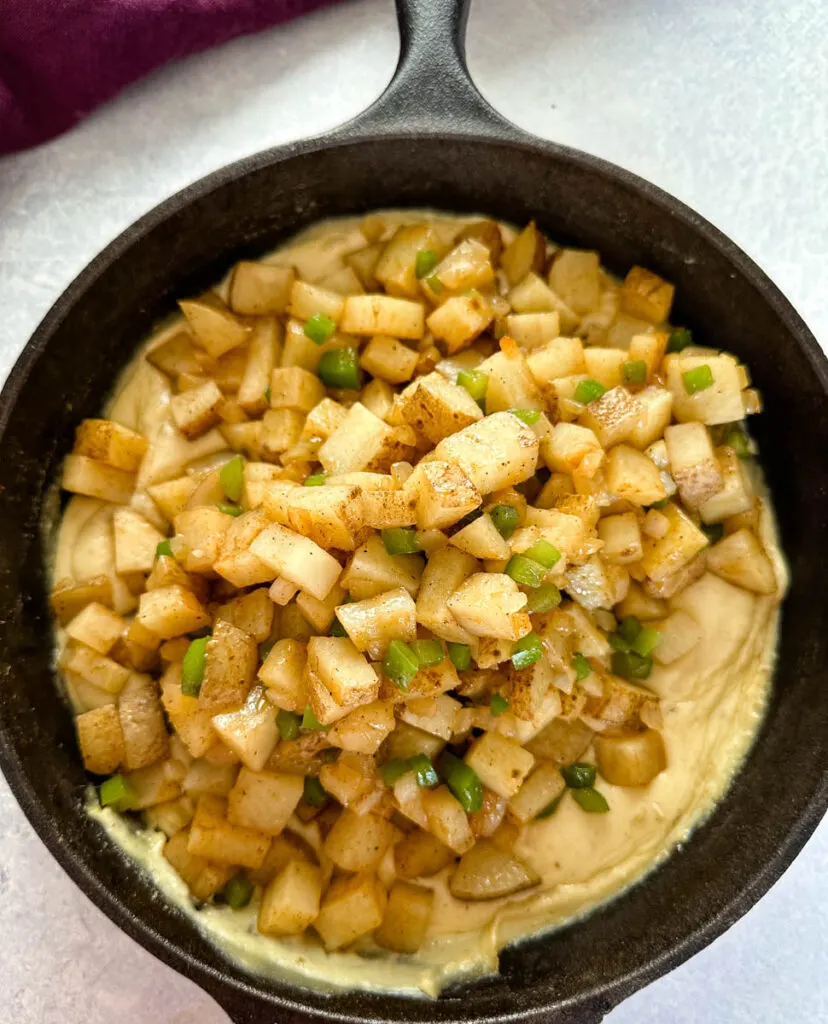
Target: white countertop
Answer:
[[722, 102]]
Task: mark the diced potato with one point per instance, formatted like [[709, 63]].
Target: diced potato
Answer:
[[307, 300], [176, 354], [421, 855], [533, 295], [396, 266], [459, 320], [284, 848], [640, 604], [135, 541], [280, 430], [621, 703], [171, 816], [372, 624], [367, 315], [350, 779], [633, 477], [467, 266], [291, 387], [192, 723], [214, 838], [444, 494], [282, 673], [440, 719], [693, 463], [93, 667], [382, 510], [604, 365], [291, 901], [320, 614], [323, 419], [171, 611], [96, 626], [487, 873], [372, 571], [650, 349], [621, 537], [646, 295], [526, 253], [378, 397], [142, 723], [215, 328], [263, 800], [497, 452], [481, 539], [195, 411], [528, 688], [662, 558], [612, 417], [68, 597], [235, 562], [202, 878], [343, 670], [358, 842], [560, 742], [252, 612], [511, 385], [560, 357], [501, 763], [739, 559], [282, 592], [674, 582], [445, 572], [167, 572], [575, 275], [83, 475], [100, 739], [656, 408], [243, 437], [573, 449], [350, 908], [490, 604], [363, 442], [544, 785], [109, 442], [533, 330], [388, 359], [230, 667], [435, 407], [205, 777], [364, 262], [720, 403], [298, 559], [362, 730], [736, 494], [631, 760], [251, 731], [172, 496], [260, 289], [679, 634], [447, 820], [406, 919], [330, 515], [201, 531]]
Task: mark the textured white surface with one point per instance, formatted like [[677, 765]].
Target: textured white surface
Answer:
[[721, 102]]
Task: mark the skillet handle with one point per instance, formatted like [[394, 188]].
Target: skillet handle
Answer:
[[431, 90]]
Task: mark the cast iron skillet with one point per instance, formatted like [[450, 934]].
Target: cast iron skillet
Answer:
[[431, 140]]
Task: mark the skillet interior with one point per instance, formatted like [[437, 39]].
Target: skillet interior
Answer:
[[185, 245]]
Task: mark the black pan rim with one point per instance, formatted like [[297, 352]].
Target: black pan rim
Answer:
[[37, 813]]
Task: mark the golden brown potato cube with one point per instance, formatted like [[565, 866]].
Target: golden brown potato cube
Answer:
[[621, 703], [251, 612], [214, 838], [155, 784], [372, 571], [350, 908], [320, 614], [215, 328], [481, 539], [361, 442], [280, 430], [206, 777], [343, 670], [323, 419], [358, 842], [631, 760], [195, 411], [445, 572], [490, 604], [97, 627], [438, 716], [373, 623], [291, 387], [533, 295], [176, 354], [640, 604], [263, 800], [297, 559], [93, 667], [192, 724], [544, 785], [330, 515], [528, 688], [167, 572], [350, 777], [487, 233], [307, 300], [621, 537], [136, 541], [395, 268], [385, 509], [740, 559], [511, 385], [736, 495], [693, 463], [447, 820], [560, 741], [435, 407], [262, 355], [171, 611], [367, 315], [560, 357], [526, 253], [83, 475], [202, 878], [250, 731], [364, 262], [388, 359], [236, 563], [362, 730], [682, 542], [68, 598], [284, 848], [172, 496], [595, 584], [646, 295], [108, 442], [657, 405], [650, 349], [230, 667], [421, 855], [633, 477], [575, 275], [201, 531], [721, 402], [533, 330], [100, 739], [260, 289], [501, 763], [459, 320], [344, 281], [467, 266], [406, 918], [612, 417], [498, 451], [487, 873], [142, 723], [291, 901], [283, 675], [444, 494], [171, 816], [243, 437]]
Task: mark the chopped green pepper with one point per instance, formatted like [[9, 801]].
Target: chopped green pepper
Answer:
[[424, 771], [314, 793], [634, 371], [475, 382], [267, 394], [400, 664], [698, 379], [339, 368], [118, 793], [646, 641], [393, 770], [192, 667], [288, 723], [579, 775], [164, 548], [629, 627], [401, 540], [265, 649], [435, 284], [544, 599], [310, 722], [499, 704], [580, 662], [506, 519], [679, 339], [424, 262], [463, 781], [630, 665], [238, 891], [590, 800], [314, 480], [738, 440], [428, 652], [231, 478], [525, 570], [528, 416], [587, 391], [544, 552], [459, 655], [230, 510], [527, 651], [319, 328]]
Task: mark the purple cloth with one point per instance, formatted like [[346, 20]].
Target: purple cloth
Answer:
[[60, 58]]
